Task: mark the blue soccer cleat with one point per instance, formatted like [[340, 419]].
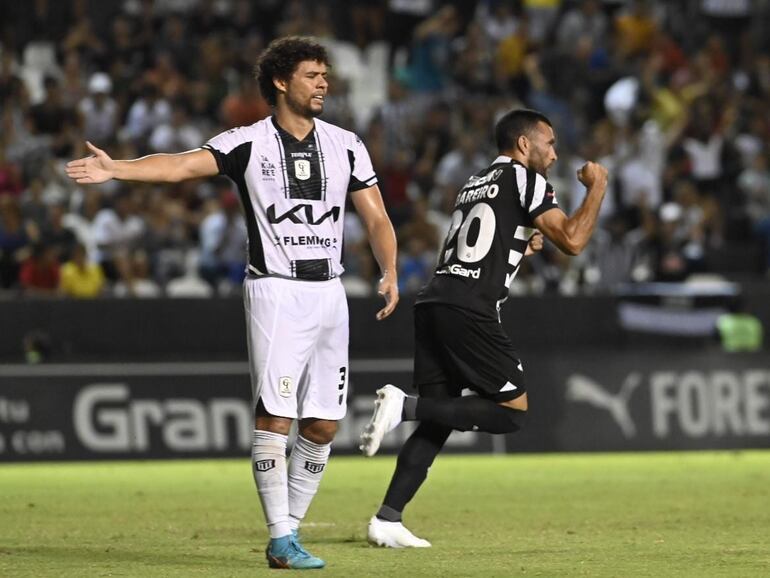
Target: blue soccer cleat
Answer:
[[286, 552]]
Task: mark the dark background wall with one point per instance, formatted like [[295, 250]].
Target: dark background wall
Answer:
[[114, 329]]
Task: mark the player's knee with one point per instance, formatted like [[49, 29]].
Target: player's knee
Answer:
[[318, 431], [520, 403], [279, 425]]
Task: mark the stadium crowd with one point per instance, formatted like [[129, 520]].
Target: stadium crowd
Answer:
[[671, 96]]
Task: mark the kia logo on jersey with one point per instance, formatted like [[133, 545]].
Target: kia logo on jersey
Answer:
[[296, 213]]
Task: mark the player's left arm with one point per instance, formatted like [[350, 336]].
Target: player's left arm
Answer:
[[382, 238]]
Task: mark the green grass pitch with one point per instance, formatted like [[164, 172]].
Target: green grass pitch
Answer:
[[674, 514]]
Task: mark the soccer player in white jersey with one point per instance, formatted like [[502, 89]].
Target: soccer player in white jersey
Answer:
[[459, 340], [294, 173]]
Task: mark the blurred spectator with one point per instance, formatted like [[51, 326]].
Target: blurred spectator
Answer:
[[34, 210], [675, 254], [165, 237], [73, 81], [584, 22], [10, 175], [456, 166], [754, 183], [53, 117], [702, 220], [223, 243], [178, 134], [190, 284], [81, 220], [136, 281], [635, 29], [616, 255], [401, 18], [432, 144], [428, 68], [541, 15], [367, 19], [419, 243], [80, 277], [55, 234], [360, 268], [498, 20], [13, 241], [146, 113], [117, 231], [99, 112], [246, 106], [39, 273], [473, 67]]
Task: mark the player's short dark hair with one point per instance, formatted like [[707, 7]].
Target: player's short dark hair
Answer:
[[281, 58], [518, 122]]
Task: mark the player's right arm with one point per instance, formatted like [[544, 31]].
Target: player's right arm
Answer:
[[158, 168], [571, 234]]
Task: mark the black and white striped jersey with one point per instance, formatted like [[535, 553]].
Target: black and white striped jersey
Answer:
[[293, 193], [491, 227]]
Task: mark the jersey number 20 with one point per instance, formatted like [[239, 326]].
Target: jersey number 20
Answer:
[[460, 228]]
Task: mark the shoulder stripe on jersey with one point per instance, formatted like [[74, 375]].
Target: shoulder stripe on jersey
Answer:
[[355, 184], [530, 189], [256, 252], [521, 183], [539, 193], [286, 191], [322, 165]]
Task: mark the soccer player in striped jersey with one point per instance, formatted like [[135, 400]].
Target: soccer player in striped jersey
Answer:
[[500, 216], [294, 173]]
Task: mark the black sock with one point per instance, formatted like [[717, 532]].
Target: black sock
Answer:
[[470, 413], [414, 459]]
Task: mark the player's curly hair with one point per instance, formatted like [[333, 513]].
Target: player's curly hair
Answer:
[[281, 58], [516, 123]]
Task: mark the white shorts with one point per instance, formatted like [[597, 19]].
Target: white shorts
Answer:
[[298, 346]]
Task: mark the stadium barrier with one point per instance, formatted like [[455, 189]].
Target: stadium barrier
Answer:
[[162, 329], [581, 400]]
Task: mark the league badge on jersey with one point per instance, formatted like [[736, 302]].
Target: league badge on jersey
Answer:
[[284, 386], [302, 170]]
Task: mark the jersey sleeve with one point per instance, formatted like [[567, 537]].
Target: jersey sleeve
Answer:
[[232, 150], [362, 173], [536, 194]]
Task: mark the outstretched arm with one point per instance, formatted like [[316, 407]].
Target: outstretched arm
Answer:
[[571, 234], [382, 238], [159, 168]]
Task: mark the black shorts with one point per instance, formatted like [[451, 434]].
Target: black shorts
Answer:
[[457, 349]]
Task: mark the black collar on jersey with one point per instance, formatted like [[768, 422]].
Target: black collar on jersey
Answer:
[[289, 138]]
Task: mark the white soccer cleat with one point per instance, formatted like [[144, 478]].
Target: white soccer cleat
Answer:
[[386, 416], [393, 535]]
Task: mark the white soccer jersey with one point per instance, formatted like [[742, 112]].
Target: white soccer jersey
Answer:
[[294, 193]]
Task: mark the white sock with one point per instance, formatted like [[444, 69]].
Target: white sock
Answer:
[[268, 463], [306, 468]]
